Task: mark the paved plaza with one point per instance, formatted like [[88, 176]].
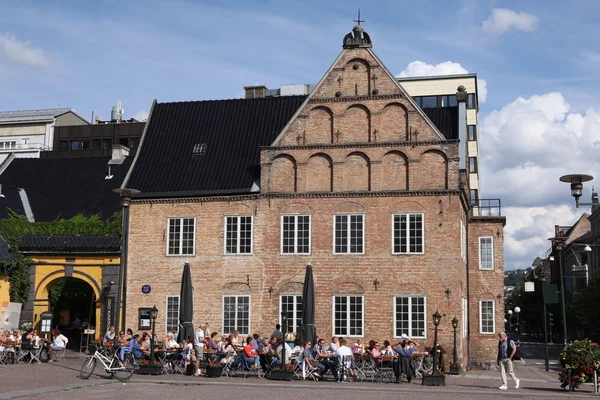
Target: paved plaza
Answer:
[[62, 381]]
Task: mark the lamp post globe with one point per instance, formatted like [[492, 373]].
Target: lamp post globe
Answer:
[[517, 311]]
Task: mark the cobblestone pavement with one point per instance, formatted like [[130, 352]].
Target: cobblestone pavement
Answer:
[[62, 380]]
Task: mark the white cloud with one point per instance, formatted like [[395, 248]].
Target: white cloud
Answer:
[[141, 115], [14, 51], [419, 68], [503, 19], [524, 148]]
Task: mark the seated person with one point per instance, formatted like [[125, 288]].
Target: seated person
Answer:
[[345, 351], [136, 347], [288, 351], [250, 354], [359, 347], [171, 343], [404, 366], [266, 353], [297, 347], [321, 353], [387, 349], [228, 351], [109, 337], [335, 343], [123, 342], [309, 359]]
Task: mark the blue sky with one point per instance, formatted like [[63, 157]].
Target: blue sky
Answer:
[[88, 55]]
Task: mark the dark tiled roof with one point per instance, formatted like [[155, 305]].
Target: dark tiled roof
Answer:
[[233, 131], [70, 244], [445, 119], [4, 252], [11, 200], [63, 188]]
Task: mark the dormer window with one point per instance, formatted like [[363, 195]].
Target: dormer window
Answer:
[[199, 149]]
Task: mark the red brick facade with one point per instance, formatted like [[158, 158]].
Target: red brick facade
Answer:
[[347, 151]]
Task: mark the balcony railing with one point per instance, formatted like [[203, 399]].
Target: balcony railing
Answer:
[[486, 208]]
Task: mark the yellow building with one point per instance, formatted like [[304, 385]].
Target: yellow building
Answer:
[[4, 284], [91, 265]]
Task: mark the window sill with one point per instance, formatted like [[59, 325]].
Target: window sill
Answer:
[[180, 255]]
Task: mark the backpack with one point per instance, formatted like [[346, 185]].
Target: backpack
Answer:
[[518, 354]]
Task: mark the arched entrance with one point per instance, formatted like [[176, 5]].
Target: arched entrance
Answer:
[[74, 301]]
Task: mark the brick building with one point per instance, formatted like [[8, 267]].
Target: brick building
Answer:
[[354, 178]]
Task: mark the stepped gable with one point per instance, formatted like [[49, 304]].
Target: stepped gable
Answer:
[[354, 102]]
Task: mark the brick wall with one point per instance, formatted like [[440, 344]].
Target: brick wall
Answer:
[[347, 151]]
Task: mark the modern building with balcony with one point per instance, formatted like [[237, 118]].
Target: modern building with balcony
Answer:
[[27, 133]]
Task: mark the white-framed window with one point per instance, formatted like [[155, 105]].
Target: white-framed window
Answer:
[[465, 323], [295, 234], [236, 314], [408, 233], [409, 316], [8, 145], [349, 235], [463, 241], [181, 236], [292, 305], [348, 315], [172, 314], [238, 234], [487, 316], [486, 252]]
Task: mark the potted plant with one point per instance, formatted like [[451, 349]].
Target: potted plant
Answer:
[[148, 368], [455, 368], [214, 369], [578, 359], [283, 374]]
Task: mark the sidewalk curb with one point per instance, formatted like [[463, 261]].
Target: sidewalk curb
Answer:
[[54, 389]]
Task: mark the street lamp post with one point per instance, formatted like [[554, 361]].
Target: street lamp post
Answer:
[[454, 370], [436, 321], [559, 247], [284, 323], [510, 313], [517, 311], [435, 379], [153, 315]]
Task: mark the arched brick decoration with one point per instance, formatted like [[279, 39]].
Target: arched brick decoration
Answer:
[[356, 125], [393, 124], [319, 173], [347, 287], [356, 78], [236, 288], [433, 171], [394, 171], [319, 128], [357, 172], [290, 288], [283, 174]]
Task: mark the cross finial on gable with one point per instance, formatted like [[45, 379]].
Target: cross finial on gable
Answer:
[[358, 20]]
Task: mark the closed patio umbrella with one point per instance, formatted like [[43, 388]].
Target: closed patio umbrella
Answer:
[[308, 331], [186, 305]]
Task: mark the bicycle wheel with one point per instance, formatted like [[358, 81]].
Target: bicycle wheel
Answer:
[[122, 370], [88, 368]]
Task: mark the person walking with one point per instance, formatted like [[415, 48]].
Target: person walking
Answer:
[[506, 352]]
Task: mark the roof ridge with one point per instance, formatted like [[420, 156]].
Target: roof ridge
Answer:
[[38, 110], [235, 99]]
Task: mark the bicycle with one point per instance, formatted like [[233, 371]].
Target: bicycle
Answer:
[[120, 369]]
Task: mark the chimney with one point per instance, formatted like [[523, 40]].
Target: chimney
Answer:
[[255, 92], [119, 153], [461, 98]]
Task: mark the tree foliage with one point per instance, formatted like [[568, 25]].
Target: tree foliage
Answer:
[[15, 226]]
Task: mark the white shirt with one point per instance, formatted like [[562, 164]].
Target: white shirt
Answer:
[[333, 347], [344, 351], [199, 337], [60, 341], [172, 343]]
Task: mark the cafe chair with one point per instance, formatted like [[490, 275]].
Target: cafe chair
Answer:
[[307, 370]]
